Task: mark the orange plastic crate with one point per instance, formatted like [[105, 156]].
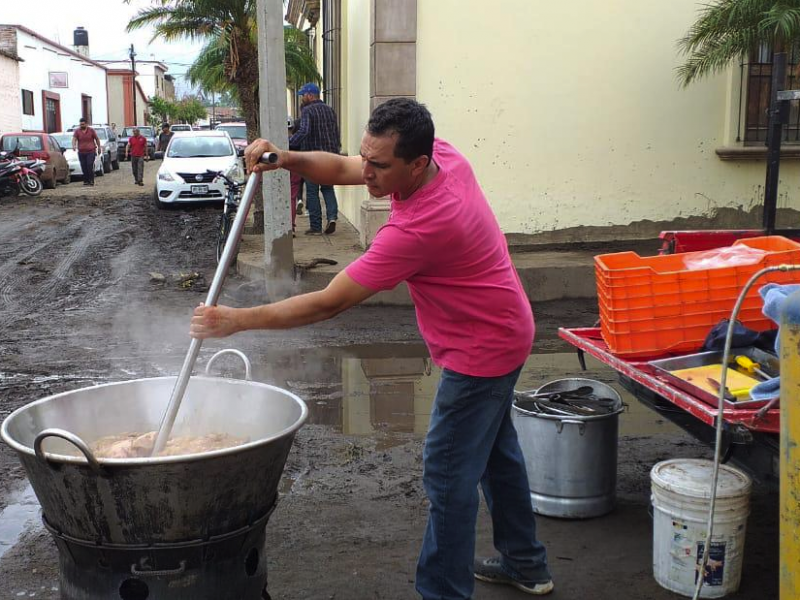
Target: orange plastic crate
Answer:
[[653, 306]]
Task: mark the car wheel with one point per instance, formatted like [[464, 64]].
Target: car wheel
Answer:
[[115, 165], [49, 184], [100, 172], [106, 164], [159, 204]]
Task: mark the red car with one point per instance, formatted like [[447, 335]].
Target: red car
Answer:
[[238, 133], [43, 146]]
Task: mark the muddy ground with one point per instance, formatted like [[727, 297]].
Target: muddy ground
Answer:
[[79, 306]]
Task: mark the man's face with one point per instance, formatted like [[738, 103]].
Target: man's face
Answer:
[[383, 172], [306, 99], [135, 133], [165, 130], [83, 125]]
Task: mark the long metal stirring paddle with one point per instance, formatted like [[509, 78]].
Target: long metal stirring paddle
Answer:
[[167, 422]]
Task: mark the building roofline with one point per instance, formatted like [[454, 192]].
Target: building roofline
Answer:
[[164, 67], [52, 43], [11, 55]]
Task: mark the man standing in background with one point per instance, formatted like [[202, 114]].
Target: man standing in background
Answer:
[[163, 138], [136, 149], [318, 131], [87, 145]]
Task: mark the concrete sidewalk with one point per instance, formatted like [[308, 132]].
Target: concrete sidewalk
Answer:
[[546, 274]]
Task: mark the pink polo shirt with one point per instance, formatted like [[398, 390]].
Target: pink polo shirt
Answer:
[[444, 241]]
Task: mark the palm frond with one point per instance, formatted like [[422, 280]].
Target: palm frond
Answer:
[[729, 29]]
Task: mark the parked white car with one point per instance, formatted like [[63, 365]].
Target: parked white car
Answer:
[[64, 140], [183, 175]]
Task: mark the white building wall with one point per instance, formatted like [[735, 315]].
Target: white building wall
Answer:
[[10, 96], [83, 78]]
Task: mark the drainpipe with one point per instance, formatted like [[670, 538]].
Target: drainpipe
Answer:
[[790, 452]]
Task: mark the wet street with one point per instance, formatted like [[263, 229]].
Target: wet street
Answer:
[[79, 306]]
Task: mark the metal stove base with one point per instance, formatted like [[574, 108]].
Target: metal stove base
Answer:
[[230, 567]]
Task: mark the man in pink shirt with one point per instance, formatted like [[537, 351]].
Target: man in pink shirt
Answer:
[[443, 240]]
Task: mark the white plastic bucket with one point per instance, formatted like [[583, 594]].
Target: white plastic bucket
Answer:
[[681, 495]]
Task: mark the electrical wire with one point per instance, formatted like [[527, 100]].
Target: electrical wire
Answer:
[[720, 420]]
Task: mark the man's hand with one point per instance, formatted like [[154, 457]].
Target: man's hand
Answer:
[[213, 322], [255, 151]]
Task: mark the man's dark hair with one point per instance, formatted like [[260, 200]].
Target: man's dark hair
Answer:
[[412, 123]]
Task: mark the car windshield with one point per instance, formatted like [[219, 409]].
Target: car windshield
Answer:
[[101, 133], [181, 128], [198, 147], [23, 142], [64, 139], [237, 132], [145, 131]]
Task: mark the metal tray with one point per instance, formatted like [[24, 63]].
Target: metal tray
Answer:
[[769, 364]]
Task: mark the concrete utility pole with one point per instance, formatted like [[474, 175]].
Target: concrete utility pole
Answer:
[[133, 87], [278, 247]]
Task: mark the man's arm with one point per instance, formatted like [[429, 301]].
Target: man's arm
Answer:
[[302, 131], [97, 143], [222, 321], [127, 148], [320, 167], [75, 141]]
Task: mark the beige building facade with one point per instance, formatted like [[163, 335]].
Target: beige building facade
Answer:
[[571, 114], [10, 93]]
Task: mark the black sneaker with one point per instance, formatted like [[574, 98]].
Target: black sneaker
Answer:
[[313, 232], [330, 228], [490, 571], [299, 207]]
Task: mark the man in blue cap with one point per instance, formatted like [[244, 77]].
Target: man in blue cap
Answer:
[[318, 131]]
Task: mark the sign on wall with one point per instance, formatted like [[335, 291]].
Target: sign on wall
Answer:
[[58, 79]]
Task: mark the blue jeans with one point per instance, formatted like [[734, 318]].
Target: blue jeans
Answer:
[[471, 440], [315, 208]]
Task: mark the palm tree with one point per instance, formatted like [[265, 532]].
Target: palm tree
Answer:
[[229, 60], [229, 24], [208, 70], [731, 29]]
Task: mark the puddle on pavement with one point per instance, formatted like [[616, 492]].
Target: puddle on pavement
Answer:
[[389, 389], [19, 516]]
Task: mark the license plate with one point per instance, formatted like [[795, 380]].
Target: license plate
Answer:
[[199, 189]]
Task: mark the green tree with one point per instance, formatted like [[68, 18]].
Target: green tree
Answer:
[[189, 110], [161, 108], [732, 29]]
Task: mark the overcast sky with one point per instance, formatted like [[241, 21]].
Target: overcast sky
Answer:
[[105, 20]]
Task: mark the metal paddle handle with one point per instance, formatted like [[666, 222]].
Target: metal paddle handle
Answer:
[[167, 422]]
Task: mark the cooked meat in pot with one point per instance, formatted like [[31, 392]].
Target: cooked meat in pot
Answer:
[[139, 445]]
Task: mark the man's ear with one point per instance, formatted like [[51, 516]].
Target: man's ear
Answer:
[[419, 164]]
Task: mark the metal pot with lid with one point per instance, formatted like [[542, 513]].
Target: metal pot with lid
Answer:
[[568, 431]]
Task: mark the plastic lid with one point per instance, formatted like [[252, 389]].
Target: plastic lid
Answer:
[[692, 477]]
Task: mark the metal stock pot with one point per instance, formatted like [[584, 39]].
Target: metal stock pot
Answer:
[[571, 460], [151, 501]]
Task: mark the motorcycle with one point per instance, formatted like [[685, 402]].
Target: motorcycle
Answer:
[[28, 178], [9, 175]]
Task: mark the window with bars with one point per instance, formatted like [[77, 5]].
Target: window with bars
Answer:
[[757, 77], [27, 102], [332, 56]]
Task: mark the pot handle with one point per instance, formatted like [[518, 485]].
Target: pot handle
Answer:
[[247, 368], [72, 439], [581, 425], [162, 573]]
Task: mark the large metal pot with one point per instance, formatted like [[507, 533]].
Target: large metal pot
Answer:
[[571, 460], [151, 501]]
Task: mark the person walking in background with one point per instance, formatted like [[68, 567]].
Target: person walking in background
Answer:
[[318, 131], [137, 149], [86, 143], [164, 137], [296, 181]]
